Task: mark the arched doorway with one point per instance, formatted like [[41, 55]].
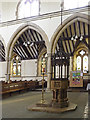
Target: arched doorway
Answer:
[[23, 51]]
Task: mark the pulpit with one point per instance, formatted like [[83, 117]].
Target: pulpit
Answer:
[[59, 78]]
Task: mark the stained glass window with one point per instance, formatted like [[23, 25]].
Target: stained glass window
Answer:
[[78, 63], [85, 64], [16, 66], [28, 8], [82, 61], [82, 52]]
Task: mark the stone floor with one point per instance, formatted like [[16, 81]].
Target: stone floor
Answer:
[[16, 106]]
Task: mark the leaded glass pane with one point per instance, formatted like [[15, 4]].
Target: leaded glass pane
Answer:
[[82, 52], [28, 8], [78, 63], [16, 66], [85, 64], [14, 70]]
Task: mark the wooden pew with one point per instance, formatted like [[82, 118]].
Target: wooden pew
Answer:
[[12, 87], [30, 85], [17, 86]]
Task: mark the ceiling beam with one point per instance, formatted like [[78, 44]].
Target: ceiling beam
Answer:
[[18, 49], [22, 48], [68, 41], [65, 42], [71, 36], [32, 40], [31, 51], [24, 38]]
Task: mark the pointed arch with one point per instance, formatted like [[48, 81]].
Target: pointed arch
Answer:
[[34, 29], [69, 29]]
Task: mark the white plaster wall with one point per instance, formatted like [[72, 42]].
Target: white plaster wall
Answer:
[[0, 11], [8, 8], [7, 31], [47, 7], [29, 68], [49, 25], [8, 11], [2, 70]]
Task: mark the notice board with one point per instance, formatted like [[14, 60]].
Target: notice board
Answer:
[[76, 79]]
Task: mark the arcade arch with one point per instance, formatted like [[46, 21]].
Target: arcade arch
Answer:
[[73, 33], [27, 42]]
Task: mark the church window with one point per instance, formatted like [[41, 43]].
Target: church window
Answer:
[[27, 8], [82, 61], [85, 64], [79, 63], [16, 66]]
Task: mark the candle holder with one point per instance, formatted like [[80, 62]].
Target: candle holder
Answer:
[[42, 98]]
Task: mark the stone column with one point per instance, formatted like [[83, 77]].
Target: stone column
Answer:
[[8, 70], [48, 71], [88, 64], [71, 65]]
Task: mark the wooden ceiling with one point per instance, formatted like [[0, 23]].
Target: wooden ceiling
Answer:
[[2, 51], [32, 52], [29, 52], [77, 28]]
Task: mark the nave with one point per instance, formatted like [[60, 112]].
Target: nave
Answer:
[[51, 50]]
